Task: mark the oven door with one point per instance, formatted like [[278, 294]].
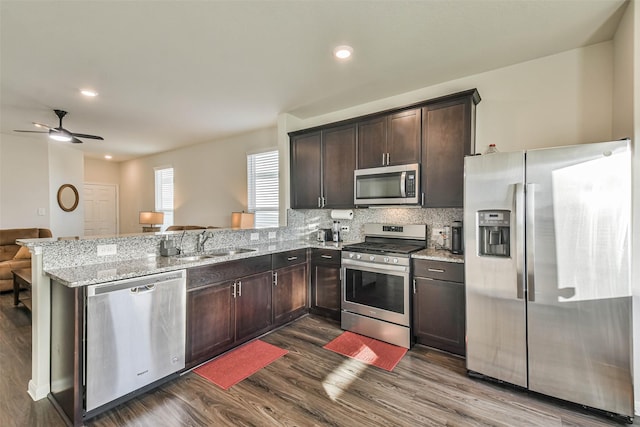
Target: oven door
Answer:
[[378, 291]]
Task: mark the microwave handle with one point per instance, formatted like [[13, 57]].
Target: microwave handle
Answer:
[[403, 184]]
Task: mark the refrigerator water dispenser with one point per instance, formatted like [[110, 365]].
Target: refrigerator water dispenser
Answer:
[[493, 233]]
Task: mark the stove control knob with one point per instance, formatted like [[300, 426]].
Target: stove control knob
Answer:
[[395, 260], [358, 256], [372, 258], [386, 259], [351, 255]]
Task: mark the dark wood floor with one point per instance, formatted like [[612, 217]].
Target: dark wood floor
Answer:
[[309, 386]]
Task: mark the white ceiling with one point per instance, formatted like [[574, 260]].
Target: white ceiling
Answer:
[[176, 73]]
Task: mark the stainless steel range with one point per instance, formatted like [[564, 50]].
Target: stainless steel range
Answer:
[[376, 282]]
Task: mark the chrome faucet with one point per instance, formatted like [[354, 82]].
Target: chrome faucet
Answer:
[[202, 238]]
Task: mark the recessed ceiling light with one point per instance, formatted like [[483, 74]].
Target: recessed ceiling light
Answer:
[[108, 157], [343, 52], [89, 92]]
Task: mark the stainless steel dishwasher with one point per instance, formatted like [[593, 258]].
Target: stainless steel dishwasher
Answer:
[[135, 334]]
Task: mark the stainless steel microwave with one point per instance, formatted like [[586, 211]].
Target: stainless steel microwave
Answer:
[[388, 185]]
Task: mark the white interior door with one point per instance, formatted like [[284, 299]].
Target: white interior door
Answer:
[[101, 209]]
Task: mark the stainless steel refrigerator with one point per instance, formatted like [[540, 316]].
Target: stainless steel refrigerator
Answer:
[[547, 272]]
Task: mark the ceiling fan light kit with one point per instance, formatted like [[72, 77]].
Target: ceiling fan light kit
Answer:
[[60, 133]]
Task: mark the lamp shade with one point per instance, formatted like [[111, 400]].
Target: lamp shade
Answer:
[[151, 218], [242, 220]]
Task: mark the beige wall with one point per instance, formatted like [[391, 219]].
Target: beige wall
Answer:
[[66, 166], [24, 181], [97, 171], [210, 180]]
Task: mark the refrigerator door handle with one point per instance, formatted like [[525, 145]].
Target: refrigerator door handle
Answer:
[[530, 239], [519, 213]]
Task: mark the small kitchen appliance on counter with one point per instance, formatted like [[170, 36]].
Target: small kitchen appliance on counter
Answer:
[[324, 235], [376, 291], [456, 237]]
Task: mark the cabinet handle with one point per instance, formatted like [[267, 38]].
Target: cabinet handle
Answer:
[[435, 270], [414, 286], [275, 278], [234, 289], [323, 201], [319, 202], [326, 256], [383, 159], [239, 288], [388, 159], [422, 199], [292, 258]]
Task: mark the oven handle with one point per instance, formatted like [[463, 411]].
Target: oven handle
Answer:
[[365, 266]]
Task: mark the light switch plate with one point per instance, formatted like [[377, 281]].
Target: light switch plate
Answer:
[[255, 236], [272, 234]]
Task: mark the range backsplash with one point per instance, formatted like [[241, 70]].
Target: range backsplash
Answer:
[[305, 222]]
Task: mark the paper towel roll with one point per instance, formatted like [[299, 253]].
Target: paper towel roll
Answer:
[[342, 214]]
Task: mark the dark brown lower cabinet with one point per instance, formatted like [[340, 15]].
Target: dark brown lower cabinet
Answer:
[[227, 304], [289, 293], [325, 283], [439, 305], [210, 321]]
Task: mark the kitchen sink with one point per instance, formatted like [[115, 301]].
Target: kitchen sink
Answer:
[[209, 255], [197, 257], [233, 251]]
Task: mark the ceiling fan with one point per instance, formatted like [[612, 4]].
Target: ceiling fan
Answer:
[[60, 133]]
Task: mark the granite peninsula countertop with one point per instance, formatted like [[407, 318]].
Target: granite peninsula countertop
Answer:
[[93, 274], [438, 255]]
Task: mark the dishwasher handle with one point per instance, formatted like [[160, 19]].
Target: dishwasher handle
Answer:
[[138, 285]]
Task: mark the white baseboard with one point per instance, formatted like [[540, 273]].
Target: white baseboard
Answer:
[[38, 392]]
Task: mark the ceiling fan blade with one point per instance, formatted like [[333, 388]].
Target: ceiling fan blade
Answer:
[[84, 135], [42, 125], [75, 140], [31, 131]]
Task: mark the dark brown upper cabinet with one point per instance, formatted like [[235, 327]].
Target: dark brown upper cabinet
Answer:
[[322, 165], [448, 135], [393, 139]]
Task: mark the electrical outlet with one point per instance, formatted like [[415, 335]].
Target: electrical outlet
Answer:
[[344, 228], [105, 250], [255, 236], [272, 234], [436, 232]]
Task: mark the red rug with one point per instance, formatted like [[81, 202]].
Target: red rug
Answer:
[[367, 350], [233, 367]]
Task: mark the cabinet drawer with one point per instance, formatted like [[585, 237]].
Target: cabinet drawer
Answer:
[[326, 256], [284, 259], [441, 270]]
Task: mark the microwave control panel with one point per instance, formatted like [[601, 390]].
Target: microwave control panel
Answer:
[[411, 184]]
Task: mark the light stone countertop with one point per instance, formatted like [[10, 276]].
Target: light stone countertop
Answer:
[[92, 274], [438, 255]]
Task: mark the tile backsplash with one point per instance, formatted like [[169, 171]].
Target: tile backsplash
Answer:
[[305, 222]]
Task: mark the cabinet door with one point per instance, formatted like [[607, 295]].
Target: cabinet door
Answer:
[[306, 153], [253, 305], [338, 164], [372, 143], [403, 137], [326, 290], [447, 139], [210, 325], [439, 314], [289, 293]]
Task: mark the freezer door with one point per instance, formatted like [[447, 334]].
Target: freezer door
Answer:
[[494, 285], [578, 271]]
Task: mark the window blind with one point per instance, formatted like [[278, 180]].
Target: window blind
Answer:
[[262, 188], [164, 194]]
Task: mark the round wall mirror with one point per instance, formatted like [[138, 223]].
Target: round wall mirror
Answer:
[[68, 197]]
